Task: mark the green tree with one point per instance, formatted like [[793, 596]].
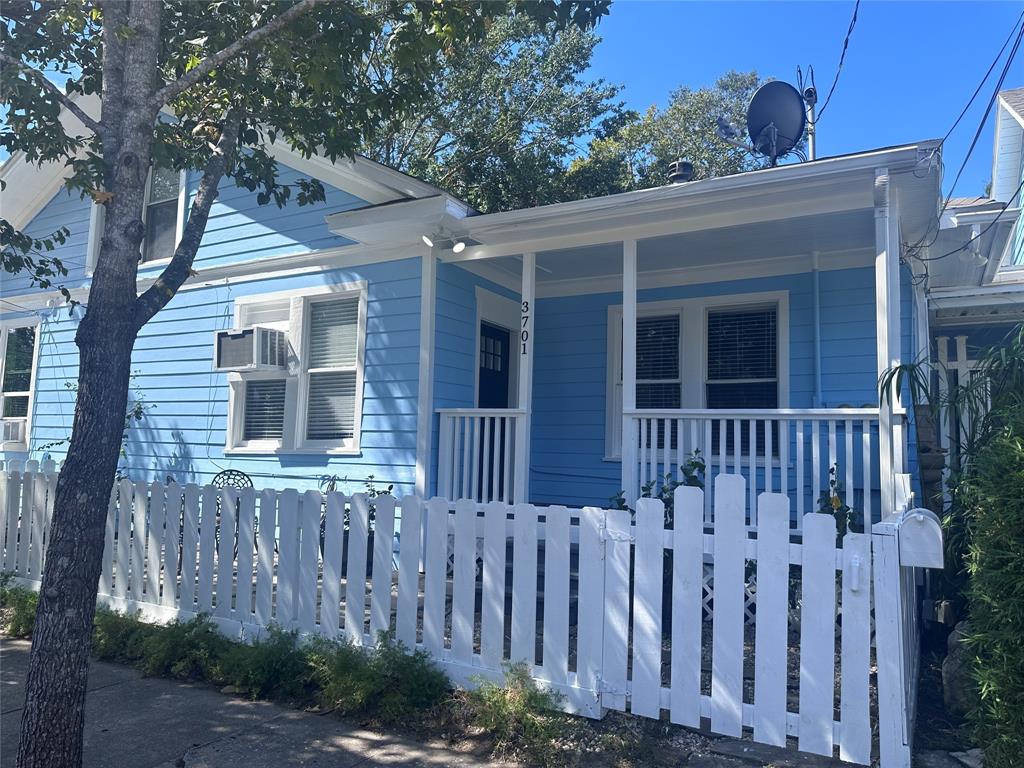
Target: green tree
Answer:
[[237, 76], [505, 118], [633, 151]]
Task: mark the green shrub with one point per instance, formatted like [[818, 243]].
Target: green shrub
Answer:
[[996, 591], [386, 683], [20, 603], [274, 667], [189, 650], [120, 637], [520, 716]]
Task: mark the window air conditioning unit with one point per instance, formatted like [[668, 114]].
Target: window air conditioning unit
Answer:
[[250, 349], [14, 431]]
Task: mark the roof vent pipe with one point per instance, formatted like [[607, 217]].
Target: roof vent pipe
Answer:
[[680, 171]]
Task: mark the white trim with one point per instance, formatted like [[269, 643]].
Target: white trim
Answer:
[[6, 326], [92, 248], [708, 273], [693, 314], [296, 376], [425, 385], [503, 313], [179, 221], [524, 400]]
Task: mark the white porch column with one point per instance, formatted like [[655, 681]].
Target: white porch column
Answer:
[[887, 324], [629, 432], [425, 390], [521, 470]]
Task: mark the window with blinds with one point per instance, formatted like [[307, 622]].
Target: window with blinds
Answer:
[[19, 346], [161, 214], [264, 410], [331, 358], [742, 364], [658, 383]]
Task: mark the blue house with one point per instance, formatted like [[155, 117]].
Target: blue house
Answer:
[[559, 355]]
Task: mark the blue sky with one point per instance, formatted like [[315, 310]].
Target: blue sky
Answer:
[[910, 68]]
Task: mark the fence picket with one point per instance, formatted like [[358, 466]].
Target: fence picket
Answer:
[[817, 633], [727, 624], [854, 712], [288, 559], [334, 542], [5, 517], [771, 638], [647, 584], [464, 580], [226, 552], [125, 505], [556, 594], [172, 535], [590, 600], [435, 576], [408, 570], [616, 615], [310, 506], [267, 540], [246, 544], [189, 548], [492, 613], [383, 569], [524, 584], [207, 545], [35, 557], [107, 569], [355, 575], [154, 540], [687, 604], [11, 504], [140, 507]]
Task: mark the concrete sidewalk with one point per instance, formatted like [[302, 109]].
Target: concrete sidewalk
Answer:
[[142, 722]]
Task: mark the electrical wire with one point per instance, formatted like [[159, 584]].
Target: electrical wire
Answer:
[[842, 59], [981, 232]]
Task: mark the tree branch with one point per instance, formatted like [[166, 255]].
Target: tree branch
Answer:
[[62, 97], [179, 269], [201, 70]]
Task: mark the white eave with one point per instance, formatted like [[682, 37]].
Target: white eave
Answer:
[[401, 221]]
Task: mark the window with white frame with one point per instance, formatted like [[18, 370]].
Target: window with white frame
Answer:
[[315, 403], [17, 368], [161, 218], [737, 340]]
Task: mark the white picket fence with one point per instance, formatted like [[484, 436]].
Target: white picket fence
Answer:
[[609, 611]]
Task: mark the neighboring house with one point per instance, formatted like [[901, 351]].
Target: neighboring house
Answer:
[[557, 354], [976, 295]]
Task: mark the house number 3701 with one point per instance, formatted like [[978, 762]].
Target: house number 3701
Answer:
[[524, 334]]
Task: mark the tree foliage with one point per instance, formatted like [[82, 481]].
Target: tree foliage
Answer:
[[633, 150], [506, 117]]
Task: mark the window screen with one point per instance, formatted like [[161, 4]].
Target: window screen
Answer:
[[17, 380], [264, 410], [331, 354], [161, 214], [657, 362], [742, 353]]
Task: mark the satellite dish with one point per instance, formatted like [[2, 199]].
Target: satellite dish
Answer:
[[776, 119]]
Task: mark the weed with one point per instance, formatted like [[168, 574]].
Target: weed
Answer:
[[275, 667], [119, 636], [190, 650], [520, 716], [19, 606]]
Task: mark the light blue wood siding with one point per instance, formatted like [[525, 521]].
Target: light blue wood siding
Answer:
[[183, 431], [570, 374], [66, 209]]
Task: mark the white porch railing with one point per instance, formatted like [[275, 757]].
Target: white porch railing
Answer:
[[476, 454], [789, 451]]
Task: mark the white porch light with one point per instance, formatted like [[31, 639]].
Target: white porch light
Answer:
[[427, 241]]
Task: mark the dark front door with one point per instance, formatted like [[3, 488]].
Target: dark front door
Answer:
[[493, 393], [494, 344]]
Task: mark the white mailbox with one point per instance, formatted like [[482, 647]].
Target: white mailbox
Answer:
[[920, 539]]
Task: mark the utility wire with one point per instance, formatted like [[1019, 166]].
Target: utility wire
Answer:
[[842, 58], [981, 232]]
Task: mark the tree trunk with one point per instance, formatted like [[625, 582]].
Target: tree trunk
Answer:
[[55, 689]]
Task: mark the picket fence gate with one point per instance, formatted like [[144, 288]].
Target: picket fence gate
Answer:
[[608, 611]]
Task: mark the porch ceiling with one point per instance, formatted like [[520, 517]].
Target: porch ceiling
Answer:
[[728, 248]]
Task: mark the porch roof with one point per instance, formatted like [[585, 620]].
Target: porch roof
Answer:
[[788, 212]]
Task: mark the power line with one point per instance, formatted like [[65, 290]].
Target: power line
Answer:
[[981, 232], [842, 58]]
